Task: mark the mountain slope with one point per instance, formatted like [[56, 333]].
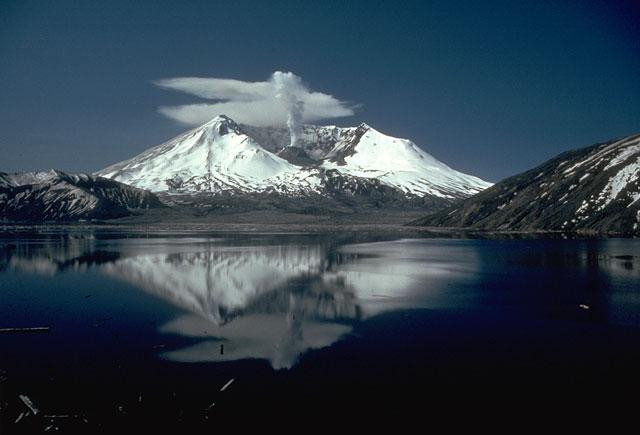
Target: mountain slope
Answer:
[[58, 196], [399, 163], [222, 158], [214, 157], [591, 189], [367, 153]]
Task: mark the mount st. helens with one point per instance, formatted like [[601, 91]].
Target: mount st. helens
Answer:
[[590, 189], [223, 159], [58, 196]]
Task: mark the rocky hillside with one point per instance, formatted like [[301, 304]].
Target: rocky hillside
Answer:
[[58, 196], [590, 189]]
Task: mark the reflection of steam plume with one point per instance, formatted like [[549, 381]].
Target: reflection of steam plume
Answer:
[[268, 336], [288, 87]]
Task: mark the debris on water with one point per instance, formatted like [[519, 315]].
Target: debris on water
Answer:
[[30, 329], [212, 405], [140, 398], [21, 416], [158, 346], [221, 349], [50, 421], [29, 404], [225, 386], [584, 307]]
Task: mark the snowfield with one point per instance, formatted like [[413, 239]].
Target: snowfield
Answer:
[[402, 164]]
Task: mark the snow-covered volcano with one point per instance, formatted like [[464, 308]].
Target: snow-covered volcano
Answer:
[[223, 157]]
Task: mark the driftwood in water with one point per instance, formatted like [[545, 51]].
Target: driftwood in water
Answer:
[[31, 329], [225, 386], [29, 404]]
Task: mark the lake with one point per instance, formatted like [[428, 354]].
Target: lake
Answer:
[[186, 330]]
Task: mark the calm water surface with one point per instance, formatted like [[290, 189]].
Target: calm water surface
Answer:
[[147, 330]]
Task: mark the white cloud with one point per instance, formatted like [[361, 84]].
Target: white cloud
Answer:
[[253, 103]]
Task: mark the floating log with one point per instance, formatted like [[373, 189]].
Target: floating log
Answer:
[[29, 404], [225, 386], [30, 329]]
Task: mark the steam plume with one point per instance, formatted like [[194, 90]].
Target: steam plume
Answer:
[[288, 87], [281, 100]]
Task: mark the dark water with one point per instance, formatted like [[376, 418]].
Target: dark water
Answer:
[[144, 332]]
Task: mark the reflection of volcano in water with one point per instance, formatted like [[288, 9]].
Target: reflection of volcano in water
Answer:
[[262, 301], [221, 283], [272, 302], [276, 302]]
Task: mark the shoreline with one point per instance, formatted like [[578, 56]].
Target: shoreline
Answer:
[[177, 228]]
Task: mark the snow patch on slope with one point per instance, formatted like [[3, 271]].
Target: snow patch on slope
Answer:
[[628, 146], [616, 184]]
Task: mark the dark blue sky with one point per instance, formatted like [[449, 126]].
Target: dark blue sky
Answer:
[[490, 88]]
